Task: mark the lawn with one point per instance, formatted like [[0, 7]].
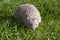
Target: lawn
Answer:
[[49, 28]]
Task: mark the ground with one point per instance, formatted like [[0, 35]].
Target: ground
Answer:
[[49, 28]]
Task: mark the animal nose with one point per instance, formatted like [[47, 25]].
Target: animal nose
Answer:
[[34, 26]]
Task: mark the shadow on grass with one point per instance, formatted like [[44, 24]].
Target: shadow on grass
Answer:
[[12, 22]]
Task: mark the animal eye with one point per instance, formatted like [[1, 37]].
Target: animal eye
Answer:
[[23, 11], [33, 19], [35, 24], [30, 24]]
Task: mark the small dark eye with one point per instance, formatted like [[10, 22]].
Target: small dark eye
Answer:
[[35, 24], [30, 24], [24, 12]]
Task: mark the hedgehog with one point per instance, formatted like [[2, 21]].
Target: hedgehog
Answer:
[[29, 15]]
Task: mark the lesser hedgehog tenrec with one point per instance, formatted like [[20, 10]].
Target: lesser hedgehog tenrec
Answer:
[[29, 14]]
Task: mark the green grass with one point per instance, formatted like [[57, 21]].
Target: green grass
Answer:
[[49, 28]]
